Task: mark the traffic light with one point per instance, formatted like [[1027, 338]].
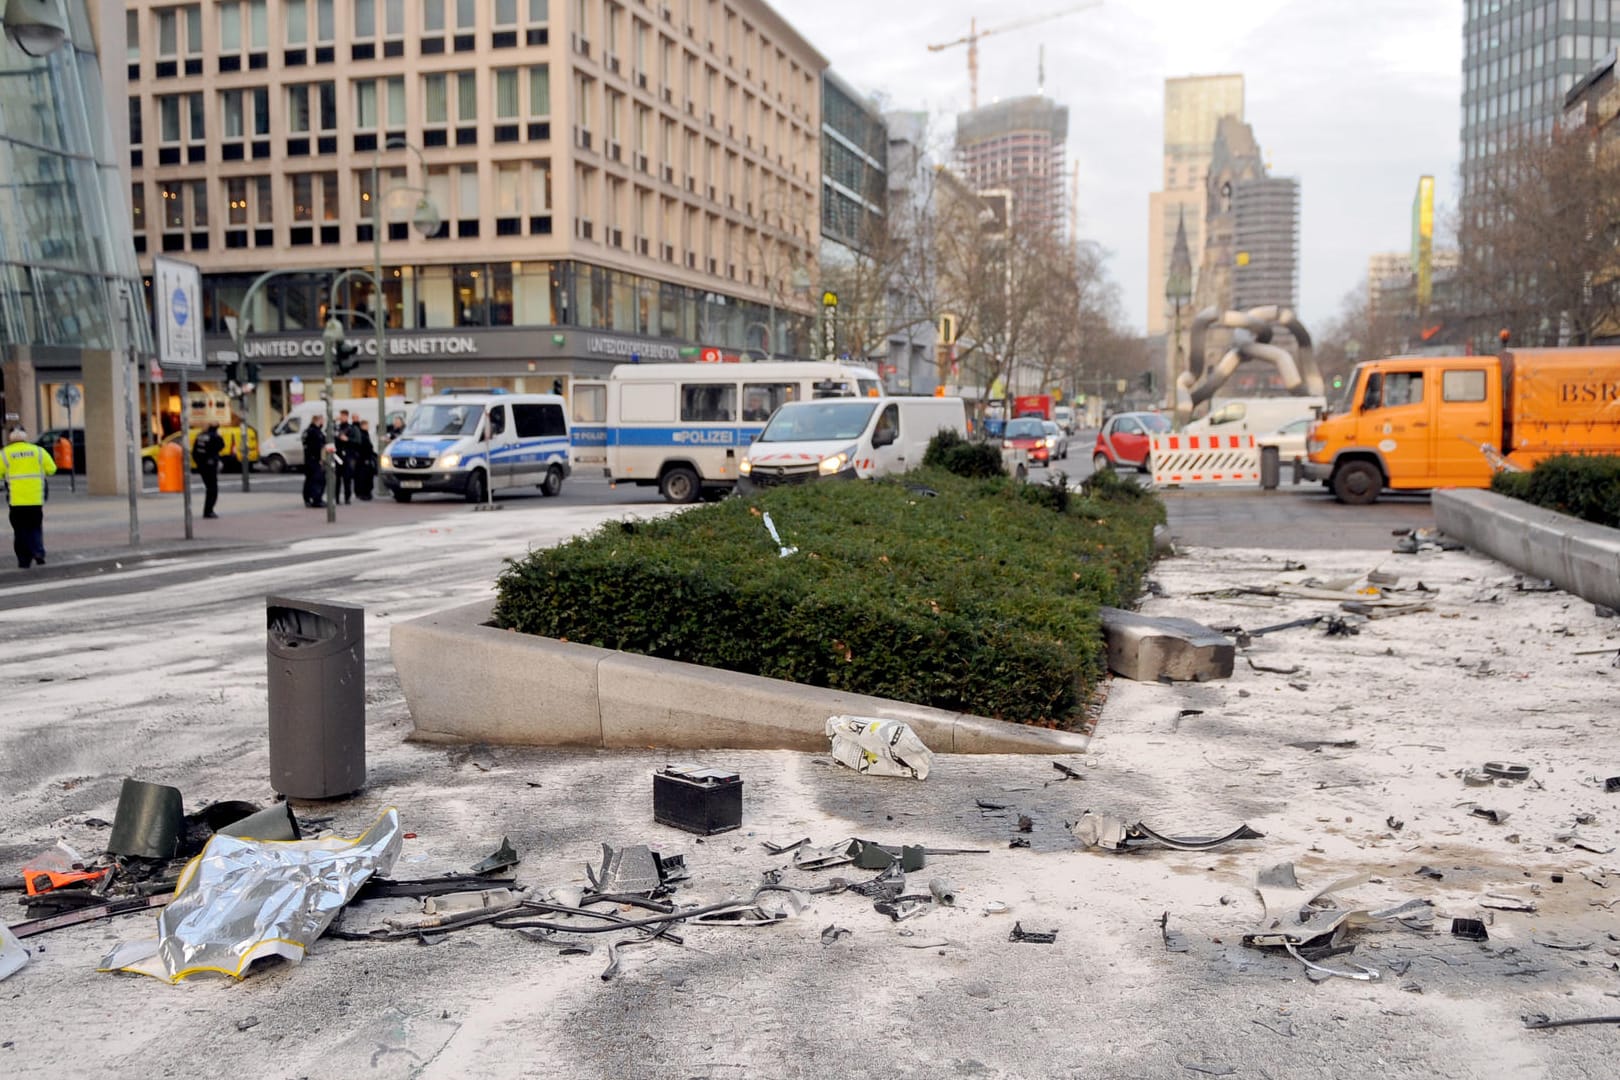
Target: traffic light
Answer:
[[343, 356]]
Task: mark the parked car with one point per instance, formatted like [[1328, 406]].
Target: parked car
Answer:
[[47, 441], [1057, 440], [228, 460], [1124, 437], [1289, 439], [1028, 434]]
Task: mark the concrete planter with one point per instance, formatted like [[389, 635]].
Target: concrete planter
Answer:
[[466, 681], [1577, 556]]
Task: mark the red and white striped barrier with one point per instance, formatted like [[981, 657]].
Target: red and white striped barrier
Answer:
[[1205, 459]]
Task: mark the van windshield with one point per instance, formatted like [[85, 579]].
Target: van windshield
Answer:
[[819, 421], [460, 418]]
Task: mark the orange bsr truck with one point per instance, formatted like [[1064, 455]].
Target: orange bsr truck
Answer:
[[1411, 423]]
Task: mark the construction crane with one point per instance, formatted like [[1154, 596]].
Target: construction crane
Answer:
[[974, 34]]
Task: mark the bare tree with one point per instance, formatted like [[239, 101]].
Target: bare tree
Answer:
[[1538, 241]]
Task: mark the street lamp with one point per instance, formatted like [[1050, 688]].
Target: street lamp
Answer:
[[425, 217], [37, 27]]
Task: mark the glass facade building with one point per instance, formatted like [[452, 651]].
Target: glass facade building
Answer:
[[1520, 57], [68, 275]]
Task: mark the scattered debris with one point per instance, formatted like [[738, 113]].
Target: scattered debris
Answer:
[[1575, 840], [909, 906], [873, 856], [785, 551], [1504, 902], [1174, 940], [1469, 930], [1034, 937], [1385, 609], [1147, 649], [1363, 974], [1561, 944], [1025, 823], [1072, 774], [1503, 770], [1295, 670], [1208, 1068], [1018, 842], [783, 849], [832, 933], [149, 822], [1612, 784], [1295, 921], [1495, 817], [1530, 584], [996, 907], [698, 800], [1382, 577], [1429, 872], [1333, 626], [1316, 745], [502, 858], [1540, 1021], [1112, 834], [1394, 824], [943, 891], [247, 1022], [12, 954], [878, 747], [634, 871], [985, 804]]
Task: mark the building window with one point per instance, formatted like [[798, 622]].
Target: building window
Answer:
[[135, 129], [467, 97], [540, 186], [540, 91], [230, 27], [325, 22], [199, 204], [132, 36], [394, 18], [435, 100], [432, 16], [168, 34], [397, 119], [506, 94], [365, 19], [505, 12], [174, 205], [137, 206], [236, 201], [297, 18], [258, 25], [298, 108], [365, 105], [261, 110], [231, 113]]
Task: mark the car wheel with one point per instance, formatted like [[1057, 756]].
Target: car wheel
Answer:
[[402, 496], [275, 463], [148, 466], [552, 485], [477, 487], [1357, 483], [1147, 464], [680, 485], [1100, 462]]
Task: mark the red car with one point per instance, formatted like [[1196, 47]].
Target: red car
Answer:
[[1027, 433], [1123, 440]]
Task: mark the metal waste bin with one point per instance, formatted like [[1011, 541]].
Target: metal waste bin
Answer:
[[317, 666], [1270, 467]]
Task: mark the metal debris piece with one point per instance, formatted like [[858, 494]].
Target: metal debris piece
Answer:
[[1382, 577], [909, 906], [1504, 902], [943, 891], [832, 933], [502, 858], [247, 1022], [1317, 745], [1495, 817], [1334, 626], [1208, 1068], [1612, 784], [1578, 841], [1112, 834], [1072, 774], [1294, 670], [1018, 842], [1363, 974], [1504, 770], [1384, 609], [1290, 625], [1394, 823], [783, 849], [149, 821], [631, 870], [1469, 930], [809, 858], [1476, 778], [1540, 1021], [996, 907], [869, 855], [1174, 940], [1560, 943], [986, 804], [1429, 872], [890, 883], [1034, 937], [1026, 823]]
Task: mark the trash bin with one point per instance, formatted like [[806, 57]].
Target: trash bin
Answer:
[[1270, 467], [317, 666], [171, 468]]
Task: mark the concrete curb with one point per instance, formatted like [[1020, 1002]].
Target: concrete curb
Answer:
[[467, 681], [1577, 556]]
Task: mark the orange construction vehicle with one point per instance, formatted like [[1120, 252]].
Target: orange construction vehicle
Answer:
[[1413, 423]]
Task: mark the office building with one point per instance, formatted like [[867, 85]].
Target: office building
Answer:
[[1265, 212], [1193, 106], [1520, 59], [561, 186], [70, 296], [1392, 281], [854, 167], [1018, 146]]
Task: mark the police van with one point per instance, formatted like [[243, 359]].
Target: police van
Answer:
[[472, 442], [684, 427]]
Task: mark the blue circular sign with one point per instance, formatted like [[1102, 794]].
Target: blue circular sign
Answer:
[[180, 306]]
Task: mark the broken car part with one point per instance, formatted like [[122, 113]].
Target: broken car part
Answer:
[[1068, 772], [878, 747], [1174, 940], [1034, 937], [243, 900], [104, 910], [378, 888], [869, 855], [1112, 834], [909, 906], [1469, 930], [1362, 973], [697, 800], [149, 820], [272, 823], [1504, 770], [1541, 1021], [944, 892], [502, 858], [12, 954]]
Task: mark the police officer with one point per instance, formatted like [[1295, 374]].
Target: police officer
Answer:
[[205, 451], [314, 462], [24, 467]]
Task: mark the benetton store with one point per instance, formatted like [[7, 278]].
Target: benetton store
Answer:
[[420, 363]]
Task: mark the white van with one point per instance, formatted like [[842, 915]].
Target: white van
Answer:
[[1254, 416], [447, 446], [809, 440], [284, 449], [1063, 415], [683, 427]]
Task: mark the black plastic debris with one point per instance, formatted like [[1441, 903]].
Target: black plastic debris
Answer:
[[1112, 834], [1612, 784], [1429, 872], [150, 821], [1068, 773], [1018, 842], [873, 856], [1505, 770], [908, 906], [1026, 823], [1495, 817], [1334, 626], [783, 849], [1033, 937], [1469, 930], [1541, 1021], [890, 883], [832, 933], [502, 858], [1174, 940], [628, 871]]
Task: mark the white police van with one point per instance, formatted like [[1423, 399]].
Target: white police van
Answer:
[[472, 442], [685, 427]]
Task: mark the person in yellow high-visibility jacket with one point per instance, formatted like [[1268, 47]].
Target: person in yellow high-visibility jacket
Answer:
[[24, 467]]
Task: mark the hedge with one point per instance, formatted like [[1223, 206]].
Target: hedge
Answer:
[[1585, 486], [964, 594]]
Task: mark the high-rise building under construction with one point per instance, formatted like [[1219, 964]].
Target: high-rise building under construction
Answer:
[[1018, 145]]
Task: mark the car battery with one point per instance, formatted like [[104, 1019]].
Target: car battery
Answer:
[[698, 800]]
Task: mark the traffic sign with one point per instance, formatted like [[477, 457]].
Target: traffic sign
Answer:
[[68, 396], [177, 294]]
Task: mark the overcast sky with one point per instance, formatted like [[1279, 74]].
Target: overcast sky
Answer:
[[1355, 98]]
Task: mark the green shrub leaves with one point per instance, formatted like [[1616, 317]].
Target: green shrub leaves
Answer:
[[959, 593], [1585, 486]]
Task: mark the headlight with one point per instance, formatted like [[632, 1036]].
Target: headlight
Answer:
[[836, 463], [387, 461], [744, 467], [1316, 446], [1051, 441], [449, 461]]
